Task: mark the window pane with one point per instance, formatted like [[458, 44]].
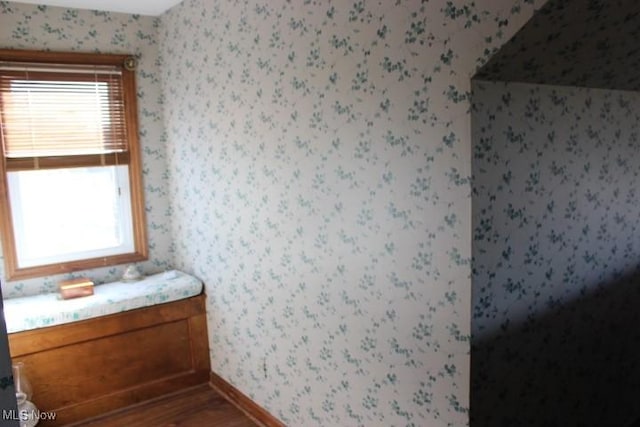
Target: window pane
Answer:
[[67, 214]]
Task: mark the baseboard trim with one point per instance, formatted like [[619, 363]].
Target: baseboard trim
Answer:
[[242, 402]]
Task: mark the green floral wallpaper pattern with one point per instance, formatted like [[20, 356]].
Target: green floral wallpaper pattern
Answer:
[[320, 158], [586, 43], [556, 281], [319, 164], [24, 26]]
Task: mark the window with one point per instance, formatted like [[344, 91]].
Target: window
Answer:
[[71, 187]]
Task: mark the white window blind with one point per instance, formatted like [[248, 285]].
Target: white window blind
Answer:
[[50, 111]]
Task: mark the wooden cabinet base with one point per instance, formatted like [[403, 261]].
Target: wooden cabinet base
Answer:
[[83, 369]]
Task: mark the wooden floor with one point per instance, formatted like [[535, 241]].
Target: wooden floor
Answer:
[[196, 407]]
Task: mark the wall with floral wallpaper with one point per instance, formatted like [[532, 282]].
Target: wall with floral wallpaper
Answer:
[[555, 249], [25, 26], [320, 158], [586, 43]]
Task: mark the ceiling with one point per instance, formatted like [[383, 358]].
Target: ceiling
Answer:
[[140, 7], [588, 43]]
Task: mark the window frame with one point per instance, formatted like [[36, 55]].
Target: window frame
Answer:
[[132, 158]]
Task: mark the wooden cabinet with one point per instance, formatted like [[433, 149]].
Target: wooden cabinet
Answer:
[[83, 369]]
